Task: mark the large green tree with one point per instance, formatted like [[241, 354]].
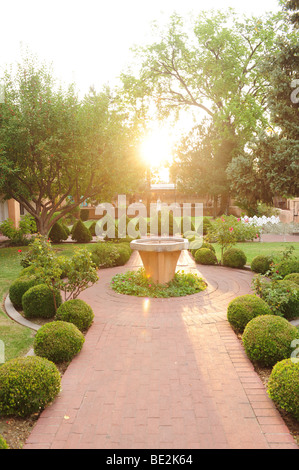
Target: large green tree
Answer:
[[270, 165], [292, 6], [57, 150], [213, 69]]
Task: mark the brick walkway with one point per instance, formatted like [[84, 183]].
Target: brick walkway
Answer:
[[162, 374]]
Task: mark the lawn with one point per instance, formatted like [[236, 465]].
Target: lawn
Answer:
[[253, 249], [18, 339]]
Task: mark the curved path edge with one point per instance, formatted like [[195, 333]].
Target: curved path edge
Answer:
[[162, 374]]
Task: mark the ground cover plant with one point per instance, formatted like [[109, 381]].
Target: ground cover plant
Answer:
[[138, 284]]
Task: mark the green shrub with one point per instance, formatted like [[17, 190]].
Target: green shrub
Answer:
[[58, 341], [38, 302], [76, 311], [124, 253], [80, 233], [294, 277], [205, 226], [3, 443], [261, 264], [204, 245], [244, 308], [288, 266], [19, 287], [63, 264], [92, 228], [283, 386], [186, 222], [57, 233], [290, 309], [27, 385], [267, 339], [205, 256], [104, 254], [234, 258], [84, 214], [30, 270]]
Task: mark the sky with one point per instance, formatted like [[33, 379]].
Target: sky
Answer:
[[88, 42]]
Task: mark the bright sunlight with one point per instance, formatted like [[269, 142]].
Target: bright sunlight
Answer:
[[156, 148]]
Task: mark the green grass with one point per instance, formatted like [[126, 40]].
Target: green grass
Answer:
[[17, 339], [252, 249]]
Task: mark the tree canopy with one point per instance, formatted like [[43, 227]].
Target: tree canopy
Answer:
[[215, 70], [57, 150]]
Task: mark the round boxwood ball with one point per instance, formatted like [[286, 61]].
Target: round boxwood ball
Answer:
[[234, 258], [76, 311], [27, 385], [291, 308], [19, 287], [283, 386], [38, 302], [293, 277], [205, 256], [261, 264], [267, 339], [58, 341], [244, 308]]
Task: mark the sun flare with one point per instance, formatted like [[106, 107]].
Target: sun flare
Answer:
[[156, 148]]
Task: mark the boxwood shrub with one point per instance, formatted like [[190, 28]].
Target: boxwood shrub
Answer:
[[205, 256], [294, 277], [19, 287], [283, 386], [267, 339], [290, 309], [58, 233], [80, 233], [27, 385], [261, 264], [244, 308], [288, 266], [38, 302], [58, 341], [234, 258], [76, 311], [124, 253]]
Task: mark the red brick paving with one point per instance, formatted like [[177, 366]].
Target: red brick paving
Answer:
[[162, 374]]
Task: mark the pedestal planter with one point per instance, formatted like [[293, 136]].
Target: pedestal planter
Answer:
[[159, 256]]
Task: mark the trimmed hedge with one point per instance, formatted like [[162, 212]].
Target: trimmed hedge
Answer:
[[19, 287], [27, 385], [58, 233], [76, 311], [283, 386], [58, 341], [288, 267], [38, 302], [244, 308], [124, 253], [205, 256], [80, 233], [261, 264], [234, 258], [293, 277], [291, 308], [267, 339]]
